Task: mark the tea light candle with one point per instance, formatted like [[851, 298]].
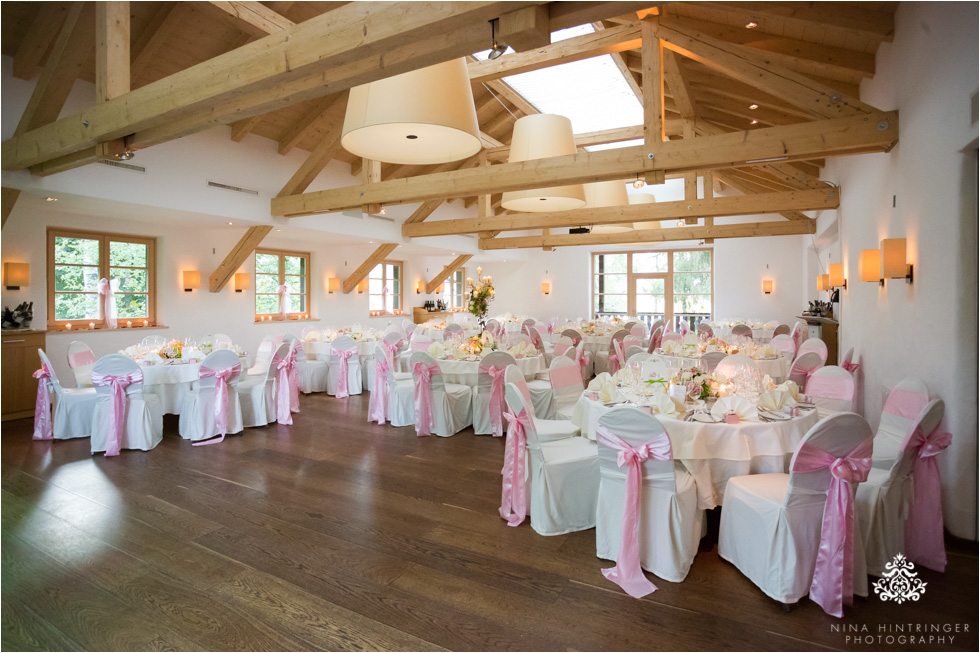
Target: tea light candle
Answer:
[[129, 324], [146, 322], [91, 326], [68, 326]]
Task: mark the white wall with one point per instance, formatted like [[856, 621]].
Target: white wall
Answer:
[[927, 329]]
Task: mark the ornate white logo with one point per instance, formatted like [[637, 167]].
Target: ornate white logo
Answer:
[[900, 583]]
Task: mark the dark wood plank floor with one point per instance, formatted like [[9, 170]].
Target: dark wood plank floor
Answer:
[[338, 534]]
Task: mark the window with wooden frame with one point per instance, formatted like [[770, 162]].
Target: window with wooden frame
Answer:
[[454, 289], [275, 268], [77, 260], [385, 287], [672, 285]]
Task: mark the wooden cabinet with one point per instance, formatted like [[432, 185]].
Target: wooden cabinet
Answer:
[[18, 360], [824, 328], [421, 316]]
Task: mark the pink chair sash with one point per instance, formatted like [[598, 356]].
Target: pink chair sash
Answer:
[[563, 377], [561, 348], [117, 409], [220, 399], [552, 325], [627, 572], [831, 388], [657, 338], [617, 359], [905, 403], [683, 329], [513, 496], [378, 404], [294, 377], [798, 371], [283, 412], [391, 351], [421, 345], [496, 397], [43, 428], [851, 367], [80, 358], [107, 301], [797, 338], [344, 355], [582, 359], [833, 578], [924, 526], [424, 401]]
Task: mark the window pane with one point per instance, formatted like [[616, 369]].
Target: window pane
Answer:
[[128, 306], [375, 286], [650, 262], [377, 272], [70, 278], [610, 283], [395, 272], [650, 303], [396, 287], [265, 304], [76, 250], [699, 261], [76, 307], [295, 265], [650, 286], [265, 283], [296, 284], [692, 283], [131, 280], [132, 255], [692, 303], [297, 304], [610, 263], [267, 264], [376, 303], [611, 303], [396, 302]]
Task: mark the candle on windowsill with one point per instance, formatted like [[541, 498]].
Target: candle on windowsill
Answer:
[[146, 322], [91, 326], [129, 324], [68, 326]]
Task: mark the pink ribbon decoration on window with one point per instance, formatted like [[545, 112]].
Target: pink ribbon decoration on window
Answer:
[[851, 367], [283, 412], [117, 406], [496, 397], [80, 358], [424, 401], [43, 428], [344, 355], [107, 301], [513, 497], [627, 573], [378, 403], [924, 525], [833, 577], [283, 291], [221, 378]]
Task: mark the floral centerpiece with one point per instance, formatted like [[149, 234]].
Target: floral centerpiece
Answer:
[[483, 343], [697, 382], [481, 295], [172, 349]]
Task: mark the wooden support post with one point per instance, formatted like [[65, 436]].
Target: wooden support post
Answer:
[[446, 272], [112, 76], [525, 28], [370, 174], [379, 255], [224, 272], [708, 181], [653, 95]]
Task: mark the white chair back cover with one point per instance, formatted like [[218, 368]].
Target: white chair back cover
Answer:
[[633, 356], [572, 334], [709, 361], [705, 330], [636, 428], [452, 330], [785, 344], [283, 384], [565, 347], [394, 328], [384, 381], [838, 435], [656, 339], [527, 324], [421, 342], [632, 341], [902, 407], [832, 390], [514, 377], [814, 344], [517, 402], [492, 385], [781, 330], [343, 357], [53, 382], [798, 333], [408, 326], [676, 337], [153, 341], [395, 343], [633, 351], [223, 362], [742, 330], [536, 338], [805, 365], [638, 330], [115, 365], [730, 364], [566, 380], [493, 326], [80, 360], [427, 393], [847, 362], [659, 324]]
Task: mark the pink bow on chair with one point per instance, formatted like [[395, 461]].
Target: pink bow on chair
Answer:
[[627, 573], [283, 413], [513, 498], [294, 376], [117, 409], [582, 359], [924, 526], [833, 578], [221, 378], [851, 367], [107, 301], [496, 397], [424, 400], [342, 383], [43, 429], [617, 359], [378, 403], [391, 351]]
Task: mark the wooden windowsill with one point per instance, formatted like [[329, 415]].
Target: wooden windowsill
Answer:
[[87, 330], [309, 319]]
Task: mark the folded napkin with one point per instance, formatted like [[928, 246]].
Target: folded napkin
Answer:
[[600, 380], [767, 383], [623, 375], [312, 336], [775, 400], [738, 405], [672, 347], [436, 350], [791, 389], [662, 404], [153, 357], [763, 352], [610, 394], [194, 354], [519, 350], [329, 335]]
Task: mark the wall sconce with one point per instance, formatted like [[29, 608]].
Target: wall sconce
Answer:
[[192, 280], [767, 286], [241, 281], [418, 287], [333, 284], [16, 275], [837, 279], [823, 282], [546, 287], [893, 261], [869, 265], [362, 286]]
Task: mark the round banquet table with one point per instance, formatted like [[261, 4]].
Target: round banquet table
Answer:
[[776, 368], [466, 372], [758, 335], [593, 343], [713, 453], [172, 382], [320, 350]]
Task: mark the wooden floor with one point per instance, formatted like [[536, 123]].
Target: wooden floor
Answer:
[[338, 534]]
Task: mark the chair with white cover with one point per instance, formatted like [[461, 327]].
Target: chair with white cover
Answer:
[[659, 324], [705, 330], [832, 390], [794, 533], [452, 330], [213, 407], [494, 327], [798, 333], [729, 366], [343, 377], [637, 356], [263, 357], [257, 394], [647, 515], [803, 367], [73, 407], [847, 362], [153, 341], [408, 327], [565, 347], [904, 403], [784, 344], [743, 330], [394, 328], [527, 324], [781, 330], [899, 509], [124, 418], [634, 350], [565, 377], [574, 335], [656, 339], [539, 343], [638, 330], [548, 429], [585, 361], [81, 358], [614, 357], [710, 360], [814, 344], [488, 396], [420, 342], [543, 394], [392, 397], [311, 373], [441, 408], [558, 478], [676, 337]]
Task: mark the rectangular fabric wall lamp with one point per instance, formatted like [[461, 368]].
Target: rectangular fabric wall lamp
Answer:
[[241, 281], [767, 286], [362, 286], [546, 287], [893, 261], [192, 280], [837, 279], [16, 275], [869, 265], [333, 284], [418, 287], [823, 282]]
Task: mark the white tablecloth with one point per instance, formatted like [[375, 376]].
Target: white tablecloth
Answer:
[[466, 372], [776, 368], [713, 453], [592, 344], [172, 382], [758, 335]]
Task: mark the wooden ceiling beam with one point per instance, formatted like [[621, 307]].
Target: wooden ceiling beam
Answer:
[[321, 117], [36, 41], [457, 263], [734, 179], [8, 198], [157, 31], [525, 28], [112, 59], [254, 17], [832, 137], [756, 204], [241, 251], [379, 255], [845, 20], [747, 230], [654, 131], [322, 154], [242, 128], [680, 90], [504, 90]]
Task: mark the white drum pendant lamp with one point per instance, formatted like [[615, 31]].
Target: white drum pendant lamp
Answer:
[[540, 136], [607, 193], [417, 118], [644, 198]]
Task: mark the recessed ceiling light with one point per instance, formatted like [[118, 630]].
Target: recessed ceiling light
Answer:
[[50, 199], [753, 106], [755, 122], [639, 183], [231, 223], [751, 24], [278, 229], [680, 223], [370, 242]]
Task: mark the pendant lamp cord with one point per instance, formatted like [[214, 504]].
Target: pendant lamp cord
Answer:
[[499, 100]]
